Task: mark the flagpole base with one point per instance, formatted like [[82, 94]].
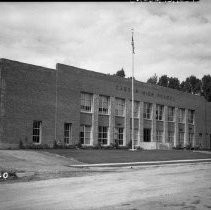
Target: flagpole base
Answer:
[[133, 149]]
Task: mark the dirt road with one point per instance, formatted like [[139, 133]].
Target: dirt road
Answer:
[[162, 187]]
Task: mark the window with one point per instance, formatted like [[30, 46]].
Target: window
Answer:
[[37, 131], [147, 110], [136, 109], [191, 116], [119, 107], [181, 115], [170, 113], [85, 134], [135, 136], [103, 135], [86, 102], [119, 134], [181, 138], [159, 112], [170, 137], [103, 104], [67, 133], [190, 138], [147, 135], [159, 135]]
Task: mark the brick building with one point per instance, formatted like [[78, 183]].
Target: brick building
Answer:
[[40, 105]]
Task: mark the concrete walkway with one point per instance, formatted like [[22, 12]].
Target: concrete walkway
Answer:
[[141, 163]]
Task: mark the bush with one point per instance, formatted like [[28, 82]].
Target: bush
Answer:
[[21, 146], [178, 147]]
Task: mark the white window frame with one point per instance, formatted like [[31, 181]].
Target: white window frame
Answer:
[[87, 134], [147, 114], [159, 136], [191, 116], [135, 136], [37, 131], [181, 140], [171, 114], [136, 109], [67, 133], [159, 112], [191, 138], [118, 134], [181, 115], [170, 137], [119, 107], [86, 102], [103, 135], [104, 105]]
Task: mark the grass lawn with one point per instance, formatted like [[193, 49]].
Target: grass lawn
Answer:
[[123, 156]]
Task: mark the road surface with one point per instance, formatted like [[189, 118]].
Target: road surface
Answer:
[[184, 186]]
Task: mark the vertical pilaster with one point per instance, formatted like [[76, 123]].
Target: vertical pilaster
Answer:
[[128, 111], [111, 121], [153, 135], [141, 123], [165, 124], [186, 128], [94, 139], [176, 127], [194, 131]]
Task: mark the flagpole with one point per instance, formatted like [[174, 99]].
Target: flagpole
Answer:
[[132, 91]]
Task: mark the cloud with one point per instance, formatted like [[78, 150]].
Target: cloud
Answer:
[[172, 39]]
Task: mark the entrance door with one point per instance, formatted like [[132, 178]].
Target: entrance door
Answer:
[[147, 134]]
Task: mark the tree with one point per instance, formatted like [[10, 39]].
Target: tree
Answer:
[[174, 83], [153, 80], [206, 87], [163, 81], [191, 85], [120, 73]]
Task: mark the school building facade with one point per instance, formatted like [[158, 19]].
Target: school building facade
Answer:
[[40, 105]]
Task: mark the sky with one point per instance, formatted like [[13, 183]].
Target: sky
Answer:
[[169, 38]]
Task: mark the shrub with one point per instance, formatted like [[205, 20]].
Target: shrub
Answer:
[[21, 146]]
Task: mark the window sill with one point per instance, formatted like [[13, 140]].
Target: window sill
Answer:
[[103, 114], [147, 118], [86, 112]]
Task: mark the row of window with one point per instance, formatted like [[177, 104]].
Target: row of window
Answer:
[[86, 105], [85, 134]]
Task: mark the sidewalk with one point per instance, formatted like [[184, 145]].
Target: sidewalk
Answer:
[[140, 163]]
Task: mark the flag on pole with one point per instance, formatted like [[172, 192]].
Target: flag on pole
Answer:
[[132, 43]]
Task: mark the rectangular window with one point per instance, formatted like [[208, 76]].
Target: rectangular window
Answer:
[[181, 138], [159, 135], [136, 109], [37, 131], [170, 137], [67, 133], [135, 136], [181, 115], [191, 116], [171, 113], [119, 107], [119, 134], [147, 110], [190, 136], [147, 135], [85, 134], [103, 105], [86, 102], [159, 112], [103, 135]]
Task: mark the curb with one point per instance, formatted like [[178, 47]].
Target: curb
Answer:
[[24, 174], [140, 163]]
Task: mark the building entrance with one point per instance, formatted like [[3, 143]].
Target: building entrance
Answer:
[[147, 134]]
